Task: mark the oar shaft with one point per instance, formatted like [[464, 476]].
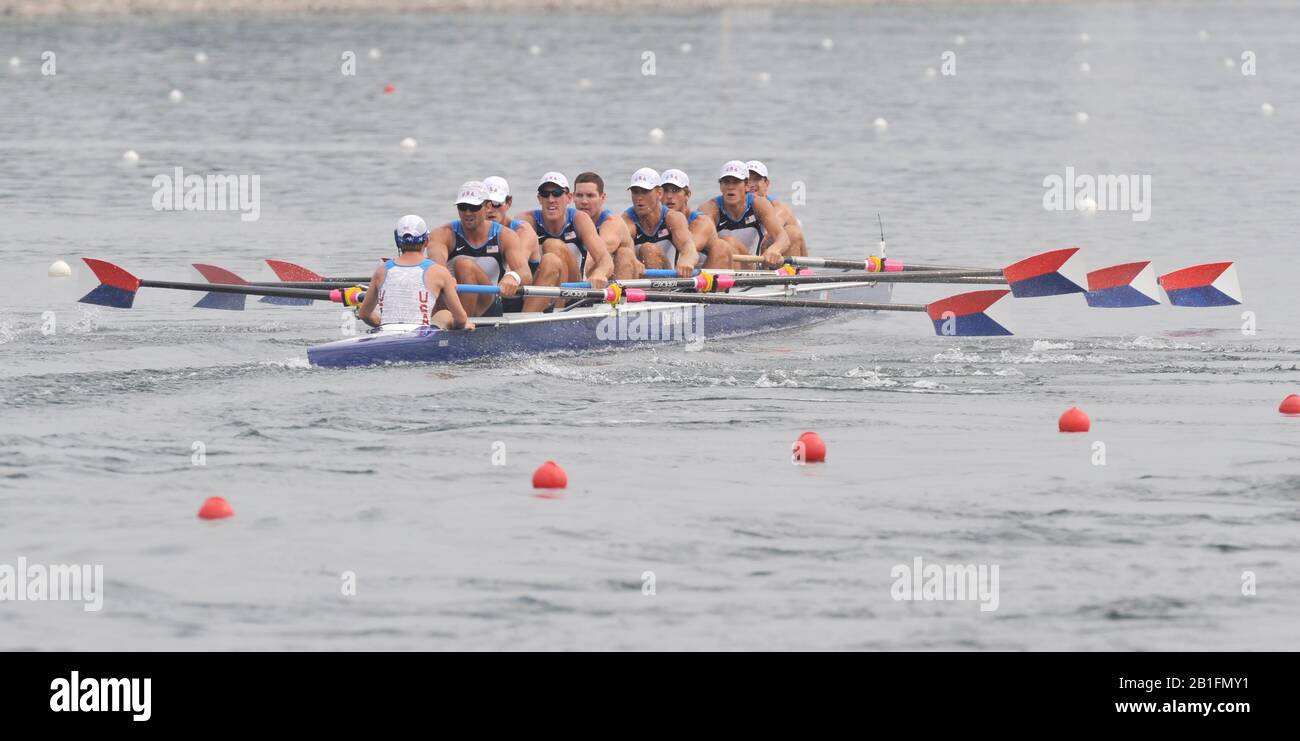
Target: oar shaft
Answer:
[[247, 290], [871, 265]]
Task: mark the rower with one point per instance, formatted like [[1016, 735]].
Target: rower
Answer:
[[407, 288], [759, 184], [662, 237], [569, 233], [480, 251], [546, 270], [750, 225], [714, 253], [589, 198]]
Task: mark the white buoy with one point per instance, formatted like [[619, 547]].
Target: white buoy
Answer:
[[931, 72], [656, 135], [959, 40], [1266, 109], [1081, 117], [1084, 37], [375, 54], [828, 44], [175, 96], [1088, 205], [686, 48], [764, 77], [1085, 68], [1229, 62], [201, 57], [584, 84], [408, 143], [59, 269], [880, 124], [130, 157], [535, 50], [1203, 35], [14, 61]]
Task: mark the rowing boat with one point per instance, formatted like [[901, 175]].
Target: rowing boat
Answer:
[[585, 328]]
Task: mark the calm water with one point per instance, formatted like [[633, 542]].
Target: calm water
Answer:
[[678, 462]]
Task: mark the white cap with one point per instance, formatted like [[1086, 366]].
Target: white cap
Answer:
[[411, 229], [555, 178], [734, 169], [645, 178], [472, 193], [497, 189], [758, 167], [673, 176]]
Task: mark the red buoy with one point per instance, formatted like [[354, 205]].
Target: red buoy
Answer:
[[1290, 405], [215, 508], [549, 475], [389, 89], [814, 448], [1074, 420]]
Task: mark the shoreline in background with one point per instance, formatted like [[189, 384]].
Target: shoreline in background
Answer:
[[39, 8]]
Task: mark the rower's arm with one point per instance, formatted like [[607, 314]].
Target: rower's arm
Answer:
[[614, 232], [687, 255], [368, 311], [440, 283], [440, 243], [532, 246], [776, 243], [516, 260], [596, 251]]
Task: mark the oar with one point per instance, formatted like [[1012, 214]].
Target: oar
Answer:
[[708, 282], [1058, 272], [963, 315], [118, 287], [872, 264]]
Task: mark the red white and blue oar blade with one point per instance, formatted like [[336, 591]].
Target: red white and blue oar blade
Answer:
[[966, 315], [1123, 286], [290, 272], [223, 301], [1213, 284], [116, 286], [1054, 273]]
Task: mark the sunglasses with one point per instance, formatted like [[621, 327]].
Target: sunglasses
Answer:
[[495, 204], [552, 193], [467, 207]]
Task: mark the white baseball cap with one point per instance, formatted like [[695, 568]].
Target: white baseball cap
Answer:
[[734, 169], [758, 167], [554, 178], [645, 178], [673, 176], [472, 193], [411, 229], [496, 188]]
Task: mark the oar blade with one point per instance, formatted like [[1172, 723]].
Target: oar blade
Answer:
[[1126, 286], [222, 301], [1054, 273], [116, 287], [1212, 284], [967, 315], [291, 272]]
